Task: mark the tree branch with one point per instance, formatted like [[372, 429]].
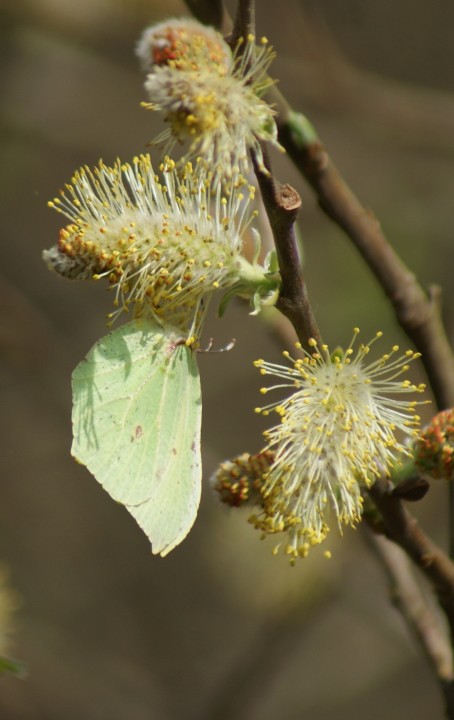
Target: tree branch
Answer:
[[422, 620], [401, 527], [418, 312], [282, 204], [244, 24]]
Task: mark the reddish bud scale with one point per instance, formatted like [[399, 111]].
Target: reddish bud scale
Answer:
[[434, 449]]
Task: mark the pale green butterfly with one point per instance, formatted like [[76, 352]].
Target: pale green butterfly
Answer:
[[137, 416]]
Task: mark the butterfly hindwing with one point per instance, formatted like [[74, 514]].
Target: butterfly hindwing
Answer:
[[136, 423]]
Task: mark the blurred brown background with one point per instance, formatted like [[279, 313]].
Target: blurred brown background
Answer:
[[219, 630]]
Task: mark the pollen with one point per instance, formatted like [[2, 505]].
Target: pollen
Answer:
[[341, 425], [210, 95], [180, 252]]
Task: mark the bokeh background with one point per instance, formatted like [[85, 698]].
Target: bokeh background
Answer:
[[220, 629]]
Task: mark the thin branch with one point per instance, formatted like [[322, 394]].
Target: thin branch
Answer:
[[401, 527], [418, 312], [244, 23], [282, 204], [422, 620]]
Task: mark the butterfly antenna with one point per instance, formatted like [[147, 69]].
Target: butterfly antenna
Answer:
[[209, 347]]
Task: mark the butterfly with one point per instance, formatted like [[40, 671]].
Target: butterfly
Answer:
[[137, 414]]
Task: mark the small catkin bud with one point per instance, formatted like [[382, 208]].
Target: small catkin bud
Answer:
[[434, 449], [238, 481]]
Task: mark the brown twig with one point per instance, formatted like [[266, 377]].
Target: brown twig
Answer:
[[418, 312], [401, 527], [422, 619], [403, 530], [282, 204], [244, 24]]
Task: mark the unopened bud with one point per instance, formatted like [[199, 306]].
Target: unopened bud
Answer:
[[238, 481], [434, 449], [183, 45]]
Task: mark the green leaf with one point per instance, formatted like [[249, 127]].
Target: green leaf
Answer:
[[136, 420], [271, 263]]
